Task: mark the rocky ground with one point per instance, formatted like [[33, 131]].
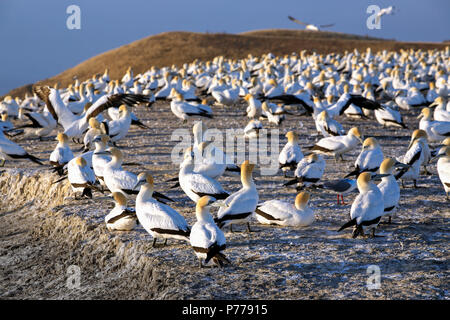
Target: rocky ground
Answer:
[[44, 232]]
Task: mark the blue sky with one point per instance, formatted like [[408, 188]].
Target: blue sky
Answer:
[[36, 43]]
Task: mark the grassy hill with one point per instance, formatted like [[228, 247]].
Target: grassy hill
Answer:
[[177, 48]]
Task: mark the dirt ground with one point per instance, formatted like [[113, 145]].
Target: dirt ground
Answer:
[[44, 232]]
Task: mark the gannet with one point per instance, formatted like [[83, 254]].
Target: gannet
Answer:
[[94, 130], [43, 123], [272, 117], [341, 187], [184, 110], [443, 168], [62, 153], [367, 208], [254, 106], [239, 207], [75, 126], [413, 99], [116, 179], [252, 129], [286, 214], [413, 158], [389, 187], [309, 26], [81, 177], [99, 159], [436, 130], [5, 124], [440, 112], [207, 240], [10, 150], [158, 219], [369, 159], [339, 145], [197, 185], [385, 11], [388, 117], [209, 166], [121, 217], [309, 171], [118, 129], [291, 154], [327, 126]]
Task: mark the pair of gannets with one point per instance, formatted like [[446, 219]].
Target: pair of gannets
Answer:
[[338, 145], [283, 213]]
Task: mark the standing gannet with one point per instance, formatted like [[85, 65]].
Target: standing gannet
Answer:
[[10, 150], [369, 159], [254, 106], [99, 159], [74, 126], [443, 169], [413, 158], [339, 145], [286, 214], [309, 171], [389, 187], [197, 185], [440, 112], [207, 240], [239, 207], [158, 219], [184, 110], [436, 130], [121, 217], [418, 134], [367, 208], [118, 129], [291, 154], [81, 177], [116, 179], [94, 130], [327, 126], [62, 153]]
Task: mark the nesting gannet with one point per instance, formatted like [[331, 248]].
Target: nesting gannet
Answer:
[[339, 145], [62, 154], [252, 129], [207, 240], [367, 208], [327, 126], [389, 187], [291, 154], [436, 130], [440, 112], [369, 159], [274, 118], [443, 169], [413, 158], [10, 150], [309, 171], [184, 110], [239, 207], [81, 177], [99, 159], [75, 126], [121, 217], [158, 219], [286, 214], [197, 185], [341, 187], [413, 99]]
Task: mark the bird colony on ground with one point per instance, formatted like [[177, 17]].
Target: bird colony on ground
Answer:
[[377, 87]]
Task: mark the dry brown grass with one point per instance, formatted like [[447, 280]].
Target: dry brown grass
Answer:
[[177, 48]]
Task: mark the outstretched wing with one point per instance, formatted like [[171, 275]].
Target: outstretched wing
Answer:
[[297, 21], [327, 25], [114, 101]]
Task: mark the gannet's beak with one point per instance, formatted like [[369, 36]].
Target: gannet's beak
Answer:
[[398, 164], [138, 184], [433, 104], [420, 116]]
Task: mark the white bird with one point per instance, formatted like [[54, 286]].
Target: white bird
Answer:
[[121, 217], [118, 129], [443, 168], [389, 117], [158, 219], [207, 240], [254, 106], [309, 171], [239, 207], [272, 117], [62, 153], [81, 177], [338, 145], [440, 111], [369, 159], [310, 27], [413, 158], [99, 159], [436, 130], [389, 187], [327, 126], [184, 110], [252, 129], [367, 208], [286, 214], [197, 185], [93, 131], [43, 123], [291, 154], [10, 150], [385, 11]]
